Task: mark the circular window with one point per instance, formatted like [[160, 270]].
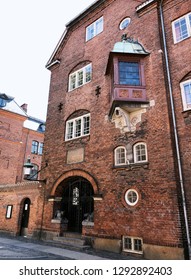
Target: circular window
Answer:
[[131, 197], [124, 23]]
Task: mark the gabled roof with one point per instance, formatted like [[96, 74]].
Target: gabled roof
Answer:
[[11, 105], [52, 60]]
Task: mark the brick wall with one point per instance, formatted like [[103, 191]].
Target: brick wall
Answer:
[[10, 144], [15, 195], [156, 216]]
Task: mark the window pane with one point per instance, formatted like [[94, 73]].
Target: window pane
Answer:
[[120, 156], [128, 243], [69, 130], [99, 26], [86, 125], [187, 92], [181, 29], [40, 148], [129, 73], [34, 149], [78, 128], [132, 196], [80, 78], [137, 245], [90, 32], [88, 73], [72, 81], [140, 153]]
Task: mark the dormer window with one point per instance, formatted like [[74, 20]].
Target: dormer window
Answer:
[[2, 102]]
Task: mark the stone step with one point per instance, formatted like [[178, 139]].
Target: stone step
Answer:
[[70, 240]]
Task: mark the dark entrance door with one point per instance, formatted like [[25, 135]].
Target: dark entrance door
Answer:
[[25, 217], [77, 203]]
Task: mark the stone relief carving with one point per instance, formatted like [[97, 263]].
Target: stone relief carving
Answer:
[[126, 121]]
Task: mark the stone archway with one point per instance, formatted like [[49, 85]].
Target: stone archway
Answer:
[[73, 196], [75, 173]]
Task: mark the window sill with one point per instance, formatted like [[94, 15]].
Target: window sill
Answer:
[[186, 113], [132, 166], [78, 139]]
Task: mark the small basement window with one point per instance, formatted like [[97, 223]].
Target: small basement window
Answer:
[[132, 244]]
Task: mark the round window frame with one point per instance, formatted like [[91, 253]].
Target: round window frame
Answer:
[[122, 22], [127, 200]]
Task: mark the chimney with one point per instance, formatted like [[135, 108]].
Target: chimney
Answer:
[[24, 107]]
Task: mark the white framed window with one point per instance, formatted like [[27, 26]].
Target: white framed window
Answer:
[[80, 77], [182, 28], [132, 244], [131, 197], [186, 94], [140, 152], [94, 29], [120, 156], [34, 148], [77, 127]]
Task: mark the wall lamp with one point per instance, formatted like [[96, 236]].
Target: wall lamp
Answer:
[[29, 175]]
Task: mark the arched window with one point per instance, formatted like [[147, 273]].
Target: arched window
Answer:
[[186, 94], [140, 152], [77, 127], [120, 156], [80, 77]]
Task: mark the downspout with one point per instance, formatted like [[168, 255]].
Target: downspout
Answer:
[[175, 128]]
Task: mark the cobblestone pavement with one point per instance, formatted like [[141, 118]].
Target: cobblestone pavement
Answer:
[[17, 248]]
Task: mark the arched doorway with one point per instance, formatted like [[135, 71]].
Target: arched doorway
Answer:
[[77, 202], [25, 211]]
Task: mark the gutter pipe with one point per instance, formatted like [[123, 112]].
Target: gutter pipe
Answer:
[[175, 128]]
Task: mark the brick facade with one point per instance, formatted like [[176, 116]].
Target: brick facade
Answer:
[[156, 218], [16, 139], [15, 197], [83, 176]]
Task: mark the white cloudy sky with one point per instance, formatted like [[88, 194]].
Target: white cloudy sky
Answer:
[[29, 32]]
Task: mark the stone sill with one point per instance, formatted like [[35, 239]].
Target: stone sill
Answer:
[[132, 166], [87, 224]]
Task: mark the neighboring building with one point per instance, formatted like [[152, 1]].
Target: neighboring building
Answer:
[[21, 137], [117, 144]]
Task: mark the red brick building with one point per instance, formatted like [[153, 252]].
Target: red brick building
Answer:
[[21, 137], [118, 129], [119, 104]]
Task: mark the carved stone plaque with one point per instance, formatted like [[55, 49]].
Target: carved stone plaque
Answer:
[[75, 156]]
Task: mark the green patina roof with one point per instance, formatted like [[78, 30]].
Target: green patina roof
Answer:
[[130, 46]]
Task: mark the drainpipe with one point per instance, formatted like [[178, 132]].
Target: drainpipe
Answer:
[[175, 128]]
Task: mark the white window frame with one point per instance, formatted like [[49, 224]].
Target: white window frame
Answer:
[[74, 133], [187, 19], [186, 105], [135, 152], [34, 147], [79, 77], [128, 201], [94, 29], [133, 240], [116, 156]]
